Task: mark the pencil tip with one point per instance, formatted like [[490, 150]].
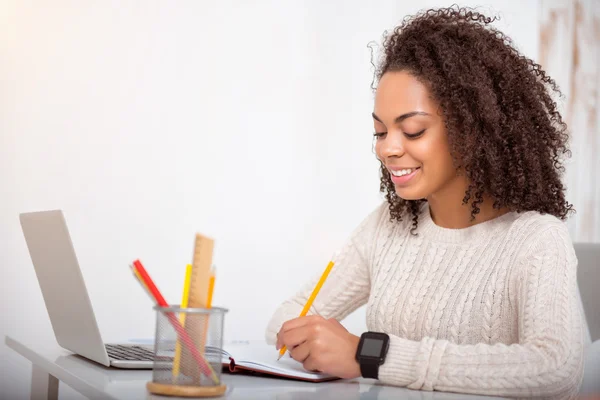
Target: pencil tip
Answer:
[[279, 358]]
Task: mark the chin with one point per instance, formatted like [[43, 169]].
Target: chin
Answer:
[[408, 194]]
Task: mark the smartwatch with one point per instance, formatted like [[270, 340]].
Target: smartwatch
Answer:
[[371, 352]]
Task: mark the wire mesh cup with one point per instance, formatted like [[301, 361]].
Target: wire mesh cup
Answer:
[[188, 352]]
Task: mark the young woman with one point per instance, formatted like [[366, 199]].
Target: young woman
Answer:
[[467, 270]]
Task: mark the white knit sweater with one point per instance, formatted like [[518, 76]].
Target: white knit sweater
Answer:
[[490, 309]]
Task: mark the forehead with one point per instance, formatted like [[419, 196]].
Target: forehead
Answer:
[[399, 92]]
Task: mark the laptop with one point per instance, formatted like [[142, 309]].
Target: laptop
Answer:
[[66, 297]]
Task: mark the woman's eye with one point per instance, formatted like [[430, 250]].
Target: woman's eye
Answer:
[[414, 135], [379, 135]]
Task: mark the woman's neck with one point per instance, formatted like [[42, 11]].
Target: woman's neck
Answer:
[[448, 211]]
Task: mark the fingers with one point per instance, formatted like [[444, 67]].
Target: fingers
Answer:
[[295, 337], [301, 321], [294, 324], [300, 352], [310, 364]]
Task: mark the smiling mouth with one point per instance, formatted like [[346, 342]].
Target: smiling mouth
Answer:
[[403, 172]]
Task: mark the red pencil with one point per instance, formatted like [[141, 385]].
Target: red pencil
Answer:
[[204, 366]]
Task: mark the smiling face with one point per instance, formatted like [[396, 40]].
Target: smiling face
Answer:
[[411, 139]]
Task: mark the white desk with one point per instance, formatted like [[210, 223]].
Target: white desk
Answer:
[[52, 364]]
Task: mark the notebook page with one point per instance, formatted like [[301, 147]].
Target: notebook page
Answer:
[[259, 355], [210, 351]]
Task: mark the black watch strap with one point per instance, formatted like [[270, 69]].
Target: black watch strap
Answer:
[[371, 352], [369, 370]]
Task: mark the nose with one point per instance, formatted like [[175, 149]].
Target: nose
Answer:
[[391, 146]]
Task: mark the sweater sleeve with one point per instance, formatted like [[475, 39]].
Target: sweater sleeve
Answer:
[[546, 362], [347, 287]]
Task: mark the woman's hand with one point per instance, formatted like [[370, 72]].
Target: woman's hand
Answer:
[[321, 345]]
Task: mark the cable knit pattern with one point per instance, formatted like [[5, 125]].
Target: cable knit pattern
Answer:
[[490, 309]]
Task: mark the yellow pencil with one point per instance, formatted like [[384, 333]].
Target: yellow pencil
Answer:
[[184, 304], [311, 299], [211, 287]]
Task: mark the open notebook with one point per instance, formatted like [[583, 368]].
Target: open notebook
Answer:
[[262, 358]]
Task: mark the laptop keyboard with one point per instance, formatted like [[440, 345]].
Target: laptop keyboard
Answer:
[[129, 353]]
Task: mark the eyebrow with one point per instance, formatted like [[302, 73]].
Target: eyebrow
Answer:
[[401, 117]]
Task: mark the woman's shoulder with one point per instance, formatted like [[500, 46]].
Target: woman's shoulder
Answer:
[[380, 219], [541, 232], [535, 223], [375, 218], [376, 224]]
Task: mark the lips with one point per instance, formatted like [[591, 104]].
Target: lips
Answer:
[[402, 176], [402, 171]]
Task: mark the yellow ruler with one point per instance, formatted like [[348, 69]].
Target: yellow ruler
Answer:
[[196, 326]]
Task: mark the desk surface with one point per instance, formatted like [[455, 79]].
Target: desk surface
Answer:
[[96, 381]]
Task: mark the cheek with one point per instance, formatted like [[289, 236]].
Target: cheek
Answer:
[[440, 167], [434, 156], [377, 149], [428, 151]]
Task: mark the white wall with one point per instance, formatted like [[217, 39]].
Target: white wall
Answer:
[[149, 121], [569, 50]]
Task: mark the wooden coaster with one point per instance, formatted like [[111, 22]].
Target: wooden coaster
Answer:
[[185, 391]]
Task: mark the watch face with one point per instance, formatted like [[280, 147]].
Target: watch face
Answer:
[[371, 352], [371, 347]]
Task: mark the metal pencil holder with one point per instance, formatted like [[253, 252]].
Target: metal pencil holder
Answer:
[[188, 352]]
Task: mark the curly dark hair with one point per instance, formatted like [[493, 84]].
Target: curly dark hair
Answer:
[[504, 131]]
